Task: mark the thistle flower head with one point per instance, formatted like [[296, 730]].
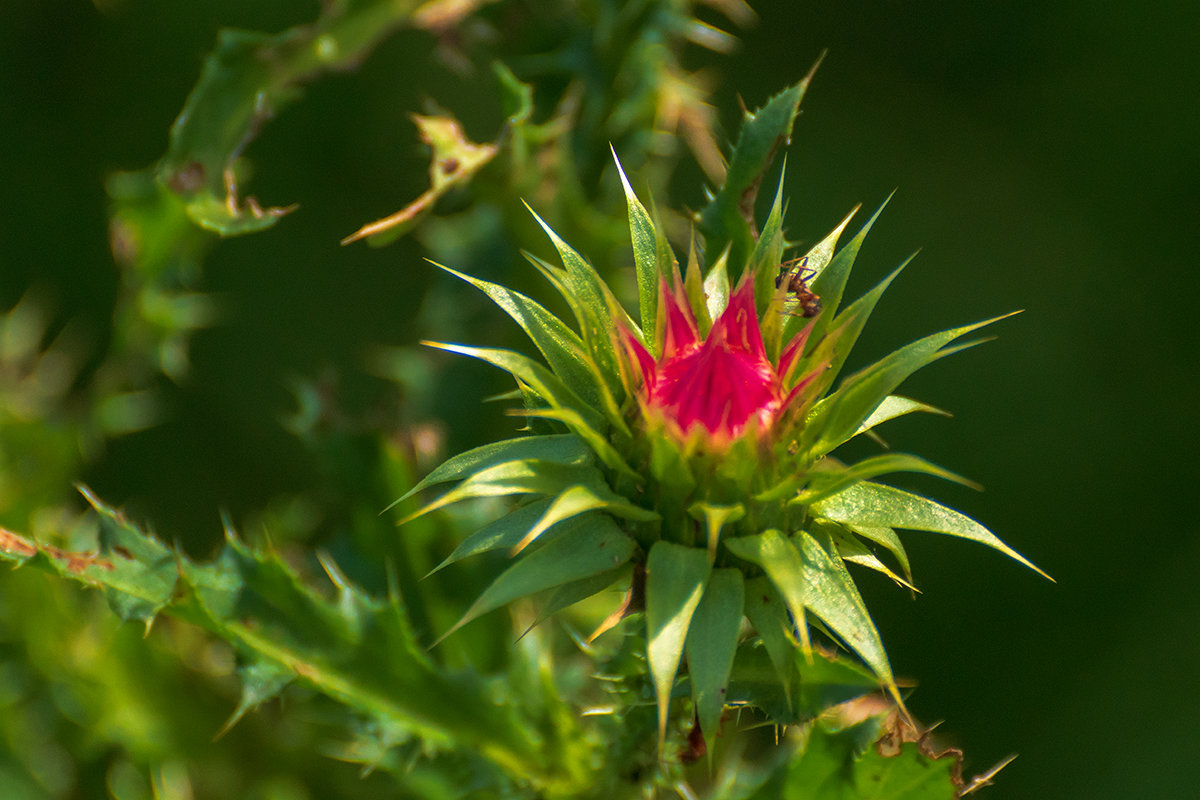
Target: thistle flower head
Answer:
[[692, 459], [718, 387]]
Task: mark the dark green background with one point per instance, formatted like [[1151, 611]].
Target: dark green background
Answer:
[[1045, 156]]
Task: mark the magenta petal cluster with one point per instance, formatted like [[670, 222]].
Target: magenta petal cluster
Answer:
[[721, 385]]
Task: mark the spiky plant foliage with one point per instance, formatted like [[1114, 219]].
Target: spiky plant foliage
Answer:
[[691, 456]]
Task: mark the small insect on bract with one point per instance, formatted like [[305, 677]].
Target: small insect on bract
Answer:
[[796, 273]]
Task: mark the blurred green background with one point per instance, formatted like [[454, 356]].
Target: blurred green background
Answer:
[[1045, 157]]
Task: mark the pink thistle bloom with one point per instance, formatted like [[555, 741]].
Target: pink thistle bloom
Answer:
[[721, 385]]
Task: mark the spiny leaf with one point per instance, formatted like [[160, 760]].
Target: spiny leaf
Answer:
[[528, 476], [784, 566], [566, 448], [873, 505], [651, 255], [728, 221], [576, 500], [502, 534], [716, 285], [592, 304], [851, 549], [561, 346], [815, 261], [569, 594], [833, 597], [814, 684], [763, 266], [675, 581], [545, 383], [826, 483], [836, 418], [593, 544], [830, 284], [601, 446], [140, 579], [886, 538], [262, 680], [359, 651], [711, 644], [896, 406], [767, 613], [843, 333]]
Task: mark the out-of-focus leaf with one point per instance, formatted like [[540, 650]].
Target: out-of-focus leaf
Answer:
[[874, 505], [595, 545], [247, 79], [560, 448], [359, 651], [675, 581], [454, 161], [140, 578], [262, 680], [711, 644]]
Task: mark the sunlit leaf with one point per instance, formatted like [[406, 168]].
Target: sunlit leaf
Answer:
[[454, 161], [651, 256], [826, 483], [502, 534], [560, 448], [546, 384], [874, 505], [580, 499], [675, 580], [561, 347], [840, 415], [514, 478], [711, 643], [594, 546], [896, 406], [777, 556], [834, 598]]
